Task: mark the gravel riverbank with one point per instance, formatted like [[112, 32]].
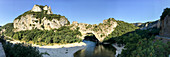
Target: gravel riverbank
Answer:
[[66, 50]]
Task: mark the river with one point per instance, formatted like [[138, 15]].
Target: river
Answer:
[[93, 50]]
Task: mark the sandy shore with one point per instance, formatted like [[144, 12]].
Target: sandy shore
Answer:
[[62, 50], [66, 50]]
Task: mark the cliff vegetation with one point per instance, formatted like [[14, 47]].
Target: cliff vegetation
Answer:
[[62, 35]]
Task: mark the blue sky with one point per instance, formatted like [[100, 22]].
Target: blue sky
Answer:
[[89, 11]]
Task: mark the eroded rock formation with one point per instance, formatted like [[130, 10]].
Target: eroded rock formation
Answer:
[[40, 8], [100, 31], [148, 25], [40, 17]]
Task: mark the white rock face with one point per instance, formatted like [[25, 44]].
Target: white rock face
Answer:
[[49, 10], [36, 8], [155, 24], [29, 21], [45, 8]]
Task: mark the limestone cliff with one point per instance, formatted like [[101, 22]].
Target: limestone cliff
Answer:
[[40, 17], [100, 31]]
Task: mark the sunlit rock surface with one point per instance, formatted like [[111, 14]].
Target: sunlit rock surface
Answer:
[[100, 31], [28, 21]]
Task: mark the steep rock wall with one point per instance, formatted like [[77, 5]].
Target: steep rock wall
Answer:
[[165, 26]]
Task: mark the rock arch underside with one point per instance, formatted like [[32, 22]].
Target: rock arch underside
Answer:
[[100, 31], [91, 37]]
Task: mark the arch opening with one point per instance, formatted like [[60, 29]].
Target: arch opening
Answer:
[[91, 37]]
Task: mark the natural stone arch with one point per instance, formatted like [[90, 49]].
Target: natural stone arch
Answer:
[[84, 33], [100, 31]]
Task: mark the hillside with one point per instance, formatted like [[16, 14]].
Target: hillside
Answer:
[[142, 42], [122, 28]]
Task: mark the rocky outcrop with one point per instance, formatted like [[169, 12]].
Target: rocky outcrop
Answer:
[[148, 25], [1, 31], [165, 26], [100, 31], [40, 17], [40, 8]]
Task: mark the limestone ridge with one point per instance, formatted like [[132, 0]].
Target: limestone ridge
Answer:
[[40, 17], [148, 25], [100, 31]]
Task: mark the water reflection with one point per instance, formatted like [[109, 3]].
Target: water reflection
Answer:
[[93, 50]]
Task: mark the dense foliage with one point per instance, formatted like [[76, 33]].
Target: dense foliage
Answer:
[[8, 29], [141, 43], [20, 50], [61, 35], [138, 43]]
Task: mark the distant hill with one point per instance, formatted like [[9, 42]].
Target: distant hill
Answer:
[[148, 25]]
